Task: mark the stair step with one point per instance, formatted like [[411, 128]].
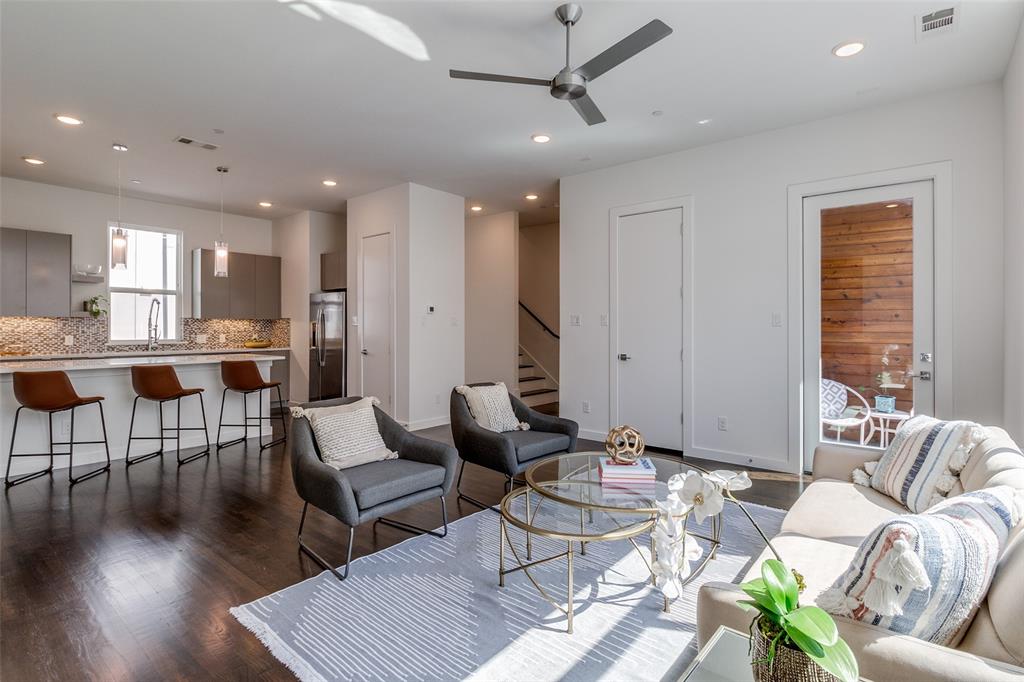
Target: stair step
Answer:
[[522, 379], [525, 366], [538, 391]]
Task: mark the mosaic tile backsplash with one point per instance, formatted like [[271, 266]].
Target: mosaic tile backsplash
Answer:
[[45, 335]]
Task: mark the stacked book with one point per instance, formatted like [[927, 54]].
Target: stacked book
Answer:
[[627, 480]]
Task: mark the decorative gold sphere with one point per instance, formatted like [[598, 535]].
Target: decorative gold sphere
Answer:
[[624, 444]]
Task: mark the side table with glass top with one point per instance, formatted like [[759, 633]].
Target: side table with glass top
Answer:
[[564, 500]]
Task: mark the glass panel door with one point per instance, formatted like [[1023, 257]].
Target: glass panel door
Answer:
[[868, 313]]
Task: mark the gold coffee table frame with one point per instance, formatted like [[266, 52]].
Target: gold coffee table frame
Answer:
[[647, 517]]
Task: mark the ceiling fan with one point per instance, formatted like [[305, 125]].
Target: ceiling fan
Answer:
[[571, 84]]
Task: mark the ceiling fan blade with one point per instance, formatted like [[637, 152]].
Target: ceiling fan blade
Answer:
[[497, 78], [586, 108], [630, 46]]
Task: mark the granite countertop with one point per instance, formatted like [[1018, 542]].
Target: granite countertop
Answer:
[[161, 352], [120, 362]]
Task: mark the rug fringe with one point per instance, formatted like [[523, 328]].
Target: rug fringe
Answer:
[[278, 649]]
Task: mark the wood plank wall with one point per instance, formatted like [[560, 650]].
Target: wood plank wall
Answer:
[[867, 295]]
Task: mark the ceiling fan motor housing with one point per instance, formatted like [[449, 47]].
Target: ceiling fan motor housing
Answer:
[[568, 85]]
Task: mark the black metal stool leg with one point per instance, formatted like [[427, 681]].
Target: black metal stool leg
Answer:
[[197, 455], [11, 482], [220, 422], [260, 419], [71, 457]]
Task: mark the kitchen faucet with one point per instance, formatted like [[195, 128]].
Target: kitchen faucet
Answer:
[[152, 330]]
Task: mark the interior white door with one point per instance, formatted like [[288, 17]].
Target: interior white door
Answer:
[[375, 308], [649, 326], [868, 312]]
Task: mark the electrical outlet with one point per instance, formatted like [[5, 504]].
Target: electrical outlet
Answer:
[[604, 320], [65, 428], [776, 319], [69, 340], [574, 320], [201, 338], [723, 423], [586, 407], [223, 338]]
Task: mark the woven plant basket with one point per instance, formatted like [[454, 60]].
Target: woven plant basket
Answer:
[[789, 665]]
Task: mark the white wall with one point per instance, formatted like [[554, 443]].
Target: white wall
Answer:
[[739, 189], [427, 230], [1013, 251], [492, 308], [437, 347], [85, 216], [538, 290], [299, 240]]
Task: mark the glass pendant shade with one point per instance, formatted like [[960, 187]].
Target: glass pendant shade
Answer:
[[220, 259], [119, 250]]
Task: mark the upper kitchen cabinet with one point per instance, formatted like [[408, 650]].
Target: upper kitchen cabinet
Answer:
[[252, 289], [35, 273], [332, 271]]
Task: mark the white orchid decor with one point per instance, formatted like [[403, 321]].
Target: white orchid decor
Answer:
[[700, 494]]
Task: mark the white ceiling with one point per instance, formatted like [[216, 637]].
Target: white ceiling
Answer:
[[301, 99]]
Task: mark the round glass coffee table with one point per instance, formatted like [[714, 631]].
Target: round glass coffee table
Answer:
[[564, 500]]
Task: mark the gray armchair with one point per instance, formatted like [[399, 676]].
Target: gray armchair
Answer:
[[512, 452], [425, 469]]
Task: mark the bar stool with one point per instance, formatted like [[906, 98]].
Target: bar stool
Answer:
[[243, 376], [51, 392], [159, 383]]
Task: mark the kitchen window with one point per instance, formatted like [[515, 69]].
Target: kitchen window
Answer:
[[152, 273]]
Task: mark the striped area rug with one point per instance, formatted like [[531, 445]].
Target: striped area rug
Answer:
[[431, 609]]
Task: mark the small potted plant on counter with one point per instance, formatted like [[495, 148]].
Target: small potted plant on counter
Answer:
[[96, 306], [789, 642]]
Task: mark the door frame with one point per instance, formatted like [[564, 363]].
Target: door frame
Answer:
[[615, 215], [394, 319], [941, 176]]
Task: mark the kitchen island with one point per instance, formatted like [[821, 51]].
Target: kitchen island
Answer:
[[110, 377]]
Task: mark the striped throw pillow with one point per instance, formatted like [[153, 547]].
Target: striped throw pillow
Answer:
[[922, 463], [347, 435], [925, 575]]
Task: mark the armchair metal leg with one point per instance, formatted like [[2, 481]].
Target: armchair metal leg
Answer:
[[409, 528], [320, 561], [472, 500]]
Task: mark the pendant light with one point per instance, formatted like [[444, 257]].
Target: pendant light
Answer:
[[119, 240], [220, 247]]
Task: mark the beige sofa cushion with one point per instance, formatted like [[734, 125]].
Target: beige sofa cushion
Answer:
[[997, 460], [840, 511], [818, 561]]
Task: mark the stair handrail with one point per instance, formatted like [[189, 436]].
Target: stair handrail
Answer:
[[532, 314]]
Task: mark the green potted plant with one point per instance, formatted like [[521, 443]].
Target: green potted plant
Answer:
[[95, 306], [789, 642]]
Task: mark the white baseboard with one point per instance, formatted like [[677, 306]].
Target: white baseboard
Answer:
[[428, 423], [593, 435]]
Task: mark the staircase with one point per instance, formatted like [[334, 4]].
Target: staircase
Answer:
[[536, 387]]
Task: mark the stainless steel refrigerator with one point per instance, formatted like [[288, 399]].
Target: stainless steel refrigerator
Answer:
[[327, 346]]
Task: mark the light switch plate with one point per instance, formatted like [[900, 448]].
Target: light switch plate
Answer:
[[223, 338], [604, 320], [574, 320], [201, 338], [69, 340], [586, 407], [776, 319]]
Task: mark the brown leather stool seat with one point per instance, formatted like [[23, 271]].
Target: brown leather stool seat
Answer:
[[159, 384], [52, 392], [243, 376]]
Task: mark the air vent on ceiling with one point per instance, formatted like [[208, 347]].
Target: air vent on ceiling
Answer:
[[195, 143], [939, 22]]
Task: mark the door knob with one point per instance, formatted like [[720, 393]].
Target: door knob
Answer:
[[365, 352], [923, 376], [623, 357]]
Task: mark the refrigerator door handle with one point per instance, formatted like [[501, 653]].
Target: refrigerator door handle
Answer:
[[322, 349]]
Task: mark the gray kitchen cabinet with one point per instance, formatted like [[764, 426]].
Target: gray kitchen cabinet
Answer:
[[267, 291], [333, 271], [12, 272], [210, 295], [252, 289], [36, 273]]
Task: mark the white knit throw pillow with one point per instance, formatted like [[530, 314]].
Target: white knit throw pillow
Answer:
[[491, 407], [347, 435]]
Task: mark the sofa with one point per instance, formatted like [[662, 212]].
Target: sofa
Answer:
[[820, 535]]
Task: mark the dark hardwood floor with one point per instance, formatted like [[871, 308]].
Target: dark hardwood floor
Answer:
[[129, 576]]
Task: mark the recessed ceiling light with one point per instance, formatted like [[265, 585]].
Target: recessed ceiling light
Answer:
[[32, 160], [541, 139], [67, 119], [330, 183], [892, 205], [136, 182], [847, 49], [657, 112], [118, 147], [704, 121], [266, 204], [476, 208], [531, 197]]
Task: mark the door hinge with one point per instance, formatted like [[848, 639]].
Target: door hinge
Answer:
[[682, 419]]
